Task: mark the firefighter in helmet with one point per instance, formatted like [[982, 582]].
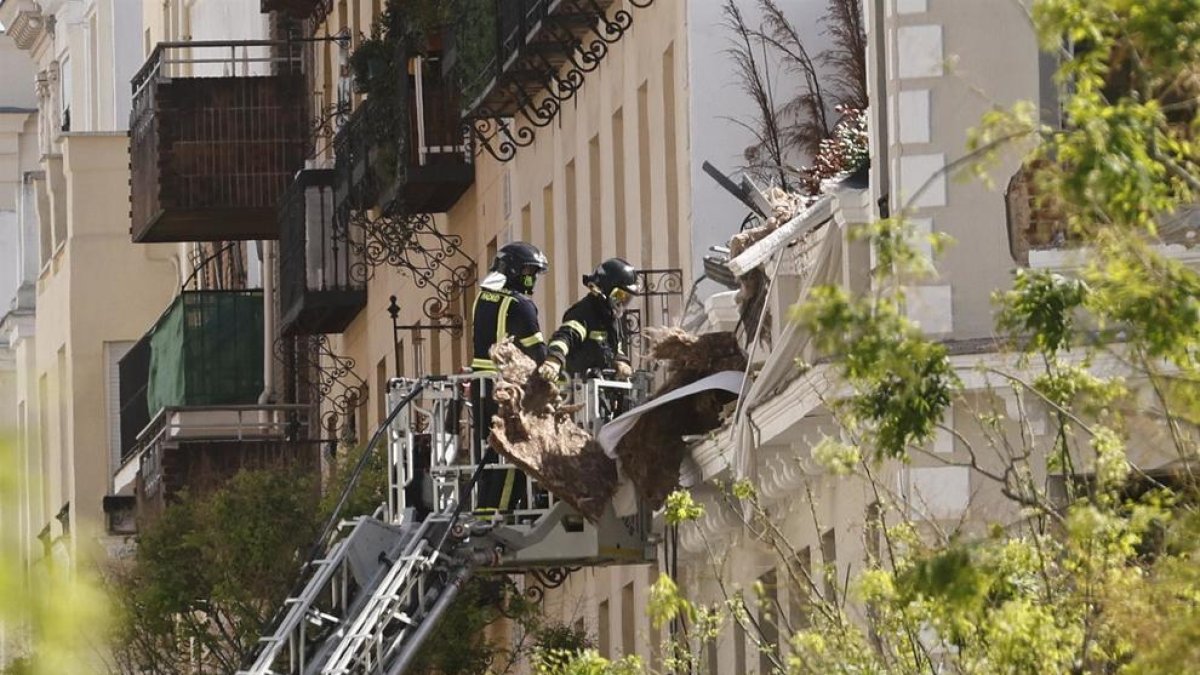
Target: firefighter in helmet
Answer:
[[504, 309], [591, 337]]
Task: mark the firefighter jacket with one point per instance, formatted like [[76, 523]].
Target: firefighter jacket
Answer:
[[500, 313], [591, 337]]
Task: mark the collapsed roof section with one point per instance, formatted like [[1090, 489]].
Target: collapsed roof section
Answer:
[[780, 262]]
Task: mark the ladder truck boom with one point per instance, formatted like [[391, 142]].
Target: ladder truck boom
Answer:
[[372, 597]]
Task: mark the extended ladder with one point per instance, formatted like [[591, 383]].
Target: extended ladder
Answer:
[[369, 603]]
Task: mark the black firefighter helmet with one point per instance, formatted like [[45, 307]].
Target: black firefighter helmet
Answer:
[[520, 263], [615, 279]]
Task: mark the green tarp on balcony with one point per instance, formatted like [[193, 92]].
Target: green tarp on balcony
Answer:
[[207, 349]]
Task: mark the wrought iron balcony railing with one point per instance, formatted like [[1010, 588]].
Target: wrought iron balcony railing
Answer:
[[519, 61], [296, 8], [217, 131], [206, 349], [321, 288], [404, 148], [200, 447]]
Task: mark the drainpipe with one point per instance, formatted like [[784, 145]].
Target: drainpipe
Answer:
[[268, 286]]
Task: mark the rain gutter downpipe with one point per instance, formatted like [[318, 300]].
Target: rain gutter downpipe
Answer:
[[268, 278]]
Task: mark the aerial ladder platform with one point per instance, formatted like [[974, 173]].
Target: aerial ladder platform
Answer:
[[376, 585]]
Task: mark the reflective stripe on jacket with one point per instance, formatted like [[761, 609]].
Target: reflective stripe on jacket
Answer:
[[590, 337], [499, 314]]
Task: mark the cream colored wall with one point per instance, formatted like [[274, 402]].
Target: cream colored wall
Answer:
[[97, 269], [949, 62], [652, 231], [643, 234]]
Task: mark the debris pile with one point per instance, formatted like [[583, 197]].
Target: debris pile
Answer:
[[652, 452], [751, 296], [537, 433]]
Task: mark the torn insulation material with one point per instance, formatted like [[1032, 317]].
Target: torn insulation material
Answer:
[[652, 451], [536, 432]]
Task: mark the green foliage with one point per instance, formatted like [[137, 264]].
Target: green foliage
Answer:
[[1041, 307], [51, 616], [836, 457], [457, 645], [1094, 567], [681, 508], [903, 382], [588, 662], [213, 568], [666, 603]]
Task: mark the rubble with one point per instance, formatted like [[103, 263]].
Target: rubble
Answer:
[[537, 433], [652, 452], [751, 295]]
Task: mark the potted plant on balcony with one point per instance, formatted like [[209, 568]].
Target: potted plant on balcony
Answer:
[[370, 63]]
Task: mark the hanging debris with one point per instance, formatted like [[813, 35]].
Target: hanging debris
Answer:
[[652, 452], [537, 433], [752, 291]]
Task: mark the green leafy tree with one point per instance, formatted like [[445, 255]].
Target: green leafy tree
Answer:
[[1100, 575], [211, 571]]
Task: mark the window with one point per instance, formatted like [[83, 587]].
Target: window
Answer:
[[829, 562], [670, 160], [49, 491], [527, 223], [113, 353], [381, 379], [548, 295], [769, 621], [739, 647], [64, 94], [644, 178], [594, 194], [874, 533], [603, 639], [798, 593], [628, 620], [618, 148], [93, 88], [572, 249]]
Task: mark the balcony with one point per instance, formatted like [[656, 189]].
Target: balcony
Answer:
[[322, 286], [217, 131], [405, 145], [296, 8], [195, 378], [526, 58], [199, 448]]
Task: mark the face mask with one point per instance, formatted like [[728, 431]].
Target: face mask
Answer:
[[528, 281]]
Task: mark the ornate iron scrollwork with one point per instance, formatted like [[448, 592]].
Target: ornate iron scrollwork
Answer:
[[582, 32], [537, 582], [500, 136], [325, 124], [329, 377], [553, 577], [412, 242], [657, 288], [438, 312], [660, 291]]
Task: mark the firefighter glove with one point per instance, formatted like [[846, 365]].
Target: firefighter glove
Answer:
[[548, 371], [624, 370]]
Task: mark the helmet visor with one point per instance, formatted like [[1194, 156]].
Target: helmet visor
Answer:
[[620, 296]]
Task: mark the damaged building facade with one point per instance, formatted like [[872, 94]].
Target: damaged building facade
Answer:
[[348, 249], [934, 68]]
